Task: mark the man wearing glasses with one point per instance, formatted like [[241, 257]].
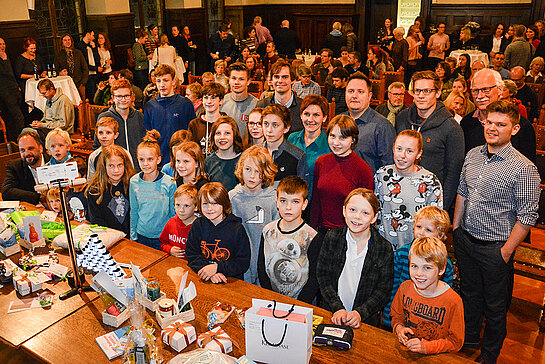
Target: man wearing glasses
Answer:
[[443, 138], [487, 87], [130, 120], [395, 105]]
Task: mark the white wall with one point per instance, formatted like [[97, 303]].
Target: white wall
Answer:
[[102, 7], [182, 4], [14, 10]]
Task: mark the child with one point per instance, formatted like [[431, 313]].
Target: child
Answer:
[[189, 165], [339, 77], [150, 192], [427, 315], [177, 138], [58, 143], [429, 222], [53, 197], [207, 78], [217, 245], [289, 247], [254, 199], [227, 146], [76, 197], [107, 131], [290, 160], [253, 134], [404, 188], [356, 292], [200, 127], [220, 76], [108, 191], [194, 93], [174, 235]]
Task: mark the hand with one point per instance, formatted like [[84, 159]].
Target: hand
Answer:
[[218, 278], [92, 44], [36, 124], [401, 332], [3, 55], [227, 59], [44, 74], [108, 62], [401, 68], [353, 319], [339, 317], [186, 64], [101, 85], [177, 252], [416, 345], [100, 69], [505, 254], [64, 72], [207, 271]]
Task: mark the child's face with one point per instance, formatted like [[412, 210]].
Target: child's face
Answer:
[[115, 169], [358, 214], [251, 175], [186, 166], [148, 160], [55, 204], [211, 103], [338, 143], [406, 152], [290, 207], [165, 85], [212, 211], [207, 80], [220, 69], [274, 129], [184, 207], [425, 228], [58, 148], [255, 127], [106, 135], [224, 137], [424, 275]]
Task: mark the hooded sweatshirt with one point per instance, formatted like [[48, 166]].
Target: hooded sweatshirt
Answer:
[[443, 145], [59, 113], [226, 244], [168, 115], [256, 209]]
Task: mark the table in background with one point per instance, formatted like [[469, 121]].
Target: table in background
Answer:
[[309, 59], [34, 99], [53, 345], [473, 55]]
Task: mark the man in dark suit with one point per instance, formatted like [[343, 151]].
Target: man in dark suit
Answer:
[[287, 41], [21, 175], [495, 42]]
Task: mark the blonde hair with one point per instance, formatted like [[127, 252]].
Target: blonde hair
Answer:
[[57, 132], [107, 121], [431, 250], [218, 63], [177, 138], [53, 193], [189, 190], [194, 151], [468, 105], [438, 217], [367, 194], [264, 162]]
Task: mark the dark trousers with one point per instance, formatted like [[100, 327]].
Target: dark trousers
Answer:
[[91, 87], [10, 104], [151, 242], [141, 78], [486, 287]]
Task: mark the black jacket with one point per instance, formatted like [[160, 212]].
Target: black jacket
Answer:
[[82, 46], [488, 42], [226, 47], [295, 111], [114, 209], [287, 42], [19, 183]]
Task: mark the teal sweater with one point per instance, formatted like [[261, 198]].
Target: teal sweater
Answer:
[[152, 204]]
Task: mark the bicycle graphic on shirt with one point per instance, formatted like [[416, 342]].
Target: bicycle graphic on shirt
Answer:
[[218, 253]]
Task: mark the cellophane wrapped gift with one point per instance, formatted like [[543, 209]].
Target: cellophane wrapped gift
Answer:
[[179, 335], [217, 340], [141, 347], [199, 356]]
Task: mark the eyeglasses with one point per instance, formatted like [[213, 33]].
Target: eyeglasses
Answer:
[[122, 97], [425, 91], [252, 124], [396, 94], [484, 90]]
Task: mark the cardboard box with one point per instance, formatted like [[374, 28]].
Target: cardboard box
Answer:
[[115, 321], [9, 250], [149, 304], [28, 245], [216, 340], [185, 316], [179, 335]]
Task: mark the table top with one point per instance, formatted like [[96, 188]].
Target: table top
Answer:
[[370, 344], [34, 99]]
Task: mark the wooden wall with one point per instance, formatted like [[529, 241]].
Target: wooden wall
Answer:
[[14, 33], [120, 30]]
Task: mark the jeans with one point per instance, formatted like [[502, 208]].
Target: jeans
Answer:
[[151, 242], [486, 287]]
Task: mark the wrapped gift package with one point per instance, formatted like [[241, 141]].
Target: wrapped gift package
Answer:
[[8, 242], [31, 246], [26, 284], [115, 321], [179, 335], [217, 340]]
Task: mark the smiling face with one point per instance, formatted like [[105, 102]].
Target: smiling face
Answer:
[[255, 127], [245, 53], [250, 63], [211, 103], [148, 159], [106, 135], [338, 143], [290, 206], [212, 211], [498, 130], [115, 168], [67, 41], [425, 94], [358, 96], [184, 207], [313, 118], [458, 106], [186, 166], [101, 40], [30, 150], [484, 90], [537, 67], [530, 34], [220, 69], [406, 153], [282, 80], [224, 137], [274, 129], [238, 82], [31, 49], [499, 30], [424, 275], [358, 214], [59, 148], [122, 98], [175, 31], [251, 175]]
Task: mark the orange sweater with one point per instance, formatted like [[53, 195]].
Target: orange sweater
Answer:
[[437, 321]]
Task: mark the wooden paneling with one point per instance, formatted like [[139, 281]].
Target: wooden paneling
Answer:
[[14, 33]]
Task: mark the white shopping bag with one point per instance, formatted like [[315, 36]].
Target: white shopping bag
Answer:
[[278, 339]]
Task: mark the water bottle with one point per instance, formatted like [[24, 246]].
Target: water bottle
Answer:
[[35, 72], [54, 71], [48, 71]]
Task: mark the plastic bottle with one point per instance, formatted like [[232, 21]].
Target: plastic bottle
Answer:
[[35, 72]]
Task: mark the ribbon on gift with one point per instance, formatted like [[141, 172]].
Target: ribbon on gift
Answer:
[[23, 278], [216, 336], [178, 326]]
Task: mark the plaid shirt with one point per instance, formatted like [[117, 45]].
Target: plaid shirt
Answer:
[[303, 91], [499, 191], [375, 283]]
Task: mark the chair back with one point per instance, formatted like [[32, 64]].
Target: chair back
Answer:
[[331, 113], [193, 78], [378, 87], [92, 114], [3, 129], [391, 77], [255, 87], [540, 137], [539, 89]]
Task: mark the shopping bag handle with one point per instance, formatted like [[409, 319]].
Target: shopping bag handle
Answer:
[[267, 341], [274, 308]]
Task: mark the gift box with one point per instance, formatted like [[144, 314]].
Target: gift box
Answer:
[[31, 246], [179, 335], [185, 316], [9, 250], [217, 340], [295, 317], [115, 321], [25, 284]]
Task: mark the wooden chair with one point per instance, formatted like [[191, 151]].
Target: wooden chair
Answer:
[[408, 99], [331, 114], [191, 78], [181, 89], [539, 89], [540, 137], [378, 87], [3, 128], [323, 90], [255, 87], [391, 77], [541, 119], [92, 112], [81, 118]]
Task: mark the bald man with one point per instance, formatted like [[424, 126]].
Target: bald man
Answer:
[[476, 66], [287, 41], [525, 93]]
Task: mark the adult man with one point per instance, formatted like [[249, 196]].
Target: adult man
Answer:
[[262, 36], [130, 120], [376, 134], [270, 57], [286, 40], [21, 175], [335, 40], [168, 112], [222, 46], [10, 97], [442, 135], [59, 110], [238, 103], [324, 68], [355, 65], [395, 105], [497, 65], [438, 44], [90, 52], [496, 205], [400, 50], [494, 43], [487, 87], [305, 86], [525, 93], [282, 76], [519, 52], [339, 76], [126, 74]]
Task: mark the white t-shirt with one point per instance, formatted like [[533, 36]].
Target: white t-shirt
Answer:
[[351, 274]]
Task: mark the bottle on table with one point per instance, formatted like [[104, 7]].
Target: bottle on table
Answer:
[[36, 77], [54, 72], [49, 71]]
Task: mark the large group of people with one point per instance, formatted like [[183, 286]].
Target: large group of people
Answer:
[[349, 212]]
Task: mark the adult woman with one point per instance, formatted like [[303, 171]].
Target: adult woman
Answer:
[[466, 41], [312, 140], [152, 41], [103, 95], [443, 71], [385, 35], [399, 50], [375, 62], [459, 104], [415, 58], [460, 85], [351, 37], [164, 54], [256, 73], [249, 39], [534, 74], [141, 64], [106, 55], [71, 62], [532, 35], [244, 54], [188, 50], [337, 173], [464, 67], [28, 63]]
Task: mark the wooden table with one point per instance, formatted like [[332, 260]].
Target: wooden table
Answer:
[[72, 339]]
